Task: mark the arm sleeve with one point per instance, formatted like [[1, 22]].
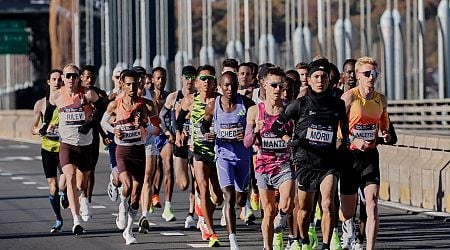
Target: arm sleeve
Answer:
[[392, 133], [105, 124], [249, 137], [181, 119]]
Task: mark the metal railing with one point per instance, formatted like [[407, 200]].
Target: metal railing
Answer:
[[433, 114]]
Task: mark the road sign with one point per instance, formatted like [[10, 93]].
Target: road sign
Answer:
[[13, 37]]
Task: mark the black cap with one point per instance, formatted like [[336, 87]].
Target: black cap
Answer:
[[189, 70], [319, 64], [140, 70]]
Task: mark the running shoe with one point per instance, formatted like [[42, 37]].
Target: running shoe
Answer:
[[204, 230], [189, 222], [314, 241], [234, 244], [121, 220], [63, 200], [289, 243], [348, 234], [168, 214], [112, 190], [156, 202], [318, 213], [151, 209], [56, 228], [247, 216], [223, 221], [129, 238], [295, 245], [85, 209], [335, 242], [214, 241], [279, 222], [144, 226], [254, 201], [77, 229], [306, 247], [278, 241]]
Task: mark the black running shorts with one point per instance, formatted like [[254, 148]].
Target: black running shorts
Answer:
[[309, 179], [365, 170], [50, 162]]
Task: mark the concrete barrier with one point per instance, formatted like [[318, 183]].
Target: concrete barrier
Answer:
[[415, 171]]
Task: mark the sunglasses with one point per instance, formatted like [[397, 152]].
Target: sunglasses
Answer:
[[189, 77], [71, 75], [369, 73], [207, 77], [277, 84]]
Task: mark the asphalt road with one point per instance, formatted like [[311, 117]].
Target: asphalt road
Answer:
[[26, 217]]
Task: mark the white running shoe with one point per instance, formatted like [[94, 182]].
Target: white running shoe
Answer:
[[359, 246], [85, 209], [279, 222], [189, 222], [348, 234], [129, 238], [112, 190], [121, 220]]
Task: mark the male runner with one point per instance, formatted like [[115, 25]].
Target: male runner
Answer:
[[50, 151]]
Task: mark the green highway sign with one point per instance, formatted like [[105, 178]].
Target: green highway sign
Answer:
[[13, 37], [12, 24]]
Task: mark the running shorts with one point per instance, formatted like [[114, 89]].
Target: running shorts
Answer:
[[365, 170]]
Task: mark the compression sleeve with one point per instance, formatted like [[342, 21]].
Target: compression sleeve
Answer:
[[181, 119], [249, 137], [105, 123]]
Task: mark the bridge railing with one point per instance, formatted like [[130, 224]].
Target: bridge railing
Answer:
[[420, 114]]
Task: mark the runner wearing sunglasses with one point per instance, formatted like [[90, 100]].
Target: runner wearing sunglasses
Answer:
[[367, 116]]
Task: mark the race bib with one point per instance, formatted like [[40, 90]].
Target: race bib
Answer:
[[130, 134], [230, 131], [74, 116], [319, 134], [270, 142], [365, 132]]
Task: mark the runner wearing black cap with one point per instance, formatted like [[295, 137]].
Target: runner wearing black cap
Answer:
[[317, 116]]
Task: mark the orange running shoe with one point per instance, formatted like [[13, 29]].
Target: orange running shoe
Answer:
[[156, 202]]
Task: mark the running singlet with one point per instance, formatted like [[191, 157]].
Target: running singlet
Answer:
[[73, 112], [50, 142], [227, 127], [366, 117], [201, 146], [133, 133], [273, 152]]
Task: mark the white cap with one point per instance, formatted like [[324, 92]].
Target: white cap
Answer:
[[117, 70]]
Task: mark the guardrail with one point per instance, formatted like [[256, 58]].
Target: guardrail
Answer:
[[420, 114]]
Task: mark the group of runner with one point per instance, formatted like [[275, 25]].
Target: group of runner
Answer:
[[255, 137]]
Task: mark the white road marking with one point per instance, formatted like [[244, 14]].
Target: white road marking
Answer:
[[98, 206], [38, 157], [29, 182], [15, 158], [18, 146], [172, 234], [5, 174], [198, 245], [17, 178], [43, 187]]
